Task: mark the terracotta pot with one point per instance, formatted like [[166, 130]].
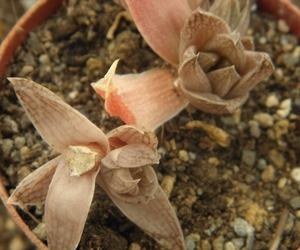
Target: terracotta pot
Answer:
[[283, 9], [30, 20]]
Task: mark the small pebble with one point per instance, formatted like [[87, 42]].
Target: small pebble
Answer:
[[248, 157], [261, 164], [44, 59], [162, 151], [189, 243], [17, 243], [254, 128], [238, 243], [183, 155], [213, 161], [278, 74], [286, 104], [282, 26], [25, 152], [262, 40], [268, 174], [265, 120], [167, 184], [218, 243], [289, 223], [72, 95], [27, 69], [23, 172], [241, 227], [205, 245], [282, 182], [297, 214], [40, 231], [295, 202], [199, 191], [249, 178], [281, 127], [272, 100], [19, 142], [192, 156], [229, 246], [284, 108], [134, 246], [295, 174], [7, 147]]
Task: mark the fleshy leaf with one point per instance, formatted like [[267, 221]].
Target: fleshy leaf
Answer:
[[121, 181], [207, 60], [258, 67], [67, 205], [241, 25], [203, 4], [200, 27], [160, 23], [134, 185], [222, 80], [128, 134], [148, 99], [247, 43], [156, 218], [222, 9], [34, 188], [229, 47], [130, 156], [213, 104], [192, 75], [58, 123]]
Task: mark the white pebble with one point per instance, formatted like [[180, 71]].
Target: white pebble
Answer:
[[282, 113], [134, 246], [282, 182], [73, 94], [44, 59], [264, 119], [295, 174], [278, 74], [286, 104], [284, 108], [183, 155], [272, 101], [282, 26], [254, 128]]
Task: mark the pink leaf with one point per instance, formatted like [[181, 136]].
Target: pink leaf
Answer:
[[67, 205], [58, 123], [34, 188], [148, 99], [258, 67], [128, 134], [199, 28], [160, 23], [157, 218], [130, 156]]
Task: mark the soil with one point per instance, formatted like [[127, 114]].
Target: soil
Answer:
[[226, 197]]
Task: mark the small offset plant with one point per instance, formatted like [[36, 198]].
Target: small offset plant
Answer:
[[216, 64], [120, 162]]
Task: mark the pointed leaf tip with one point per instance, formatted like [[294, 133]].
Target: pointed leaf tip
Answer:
[[105, 84]]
